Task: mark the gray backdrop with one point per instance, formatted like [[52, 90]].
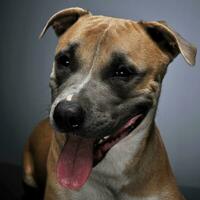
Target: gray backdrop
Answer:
[[26, 61]]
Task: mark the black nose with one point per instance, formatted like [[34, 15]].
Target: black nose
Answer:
[[68, 116]]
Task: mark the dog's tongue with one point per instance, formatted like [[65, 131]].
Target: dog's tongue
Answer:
[[75, 162]]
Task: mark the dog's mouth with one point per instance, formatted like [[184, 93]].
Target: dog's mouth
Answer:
[[103, 145], [79, 155]]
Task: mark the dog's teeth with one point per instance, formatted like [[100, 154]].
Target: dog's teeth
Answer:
[[100, 141], [106, 137]]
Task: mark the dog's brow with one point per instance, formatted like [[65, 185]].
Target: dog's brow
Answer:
[[70, 49], [119, 58]]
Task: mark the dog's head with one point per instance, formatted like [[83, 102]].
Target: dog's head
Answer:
[[106, 79]]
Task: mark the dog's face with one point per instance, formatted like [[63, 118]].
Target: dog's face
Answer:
[[107, 75]]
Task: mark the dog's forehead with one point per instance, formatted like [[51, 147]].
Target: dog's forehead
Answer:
[[102, 36], [89, 29]]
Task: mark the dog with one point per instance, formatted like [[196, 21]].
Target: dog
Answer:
[[100, 140]]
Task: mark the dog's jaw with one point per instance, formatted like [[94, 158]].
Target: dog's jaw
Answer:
[[120, 155]]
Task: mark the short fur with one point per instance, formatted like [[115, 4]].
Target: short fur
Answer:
[[136, 168]]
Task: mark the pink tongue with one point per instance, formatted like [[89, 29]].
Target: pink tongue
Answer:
[[75, 162]]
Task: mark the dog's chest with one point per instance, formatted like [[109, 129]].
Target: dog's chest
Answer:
[[108, 177], [97, 191]]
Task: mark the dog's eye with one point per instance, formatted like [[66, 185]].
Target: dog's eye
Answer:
[[123, 71], [63, 60]]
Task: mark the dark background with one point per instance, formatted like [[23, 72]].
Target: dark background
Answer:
[[25, 64]]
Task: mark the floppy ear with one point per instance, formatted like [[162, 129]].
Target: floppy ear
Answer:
[[63, 19], [170, 41]]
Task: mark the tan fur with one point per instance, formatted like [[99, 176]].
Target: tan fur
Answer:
[[148, 172], [36, 152], [155, 178]]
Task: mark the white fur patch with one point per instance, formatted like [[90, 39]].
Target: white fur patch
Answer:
[[126, 197], [29, 180], [69, 97]]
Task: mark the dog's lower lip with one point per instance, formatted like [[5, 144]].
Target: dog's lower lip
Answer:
[[102, 147]]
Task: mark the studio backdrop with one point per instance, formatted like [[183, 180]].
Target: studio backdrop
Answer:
[[26, 61]]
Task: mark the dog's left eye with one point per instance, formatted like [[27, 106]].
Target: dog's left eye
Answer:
[[63, 60], [123, 71]]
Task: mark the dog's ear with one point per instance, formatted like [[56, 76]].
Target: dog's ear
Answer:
[[170, 41], [63, 19]]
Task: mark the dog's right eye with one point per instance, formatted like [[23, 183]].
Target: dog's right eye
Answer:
[[63, 60], [63, 67]]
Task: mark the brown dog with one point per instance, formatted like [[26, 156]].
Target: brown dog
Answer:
[[100, 141]]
